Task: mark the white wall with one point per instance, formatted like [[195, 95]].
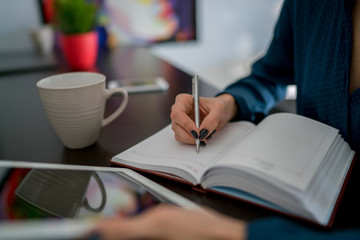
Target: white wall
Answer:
[[17, 18], [232, 33]]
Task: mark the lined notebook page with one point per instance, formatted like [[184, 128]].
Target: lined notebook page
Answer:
[[162, 149]]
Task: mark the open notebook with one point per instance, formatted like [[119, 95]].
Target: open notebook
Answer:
[[288, 163]]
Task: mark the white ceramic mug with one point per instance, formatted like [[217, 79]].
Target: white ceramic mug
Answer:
[[75, 102]]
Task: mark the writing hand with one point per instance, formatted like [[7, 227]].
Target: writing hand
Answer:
[[168, 222], [214, 114]]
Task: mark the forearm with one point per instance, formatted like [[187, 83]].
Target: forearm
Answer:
[[258, 93], [255, 97]]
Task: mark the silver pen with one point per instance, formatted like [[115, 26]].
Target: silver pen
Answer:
[[195, 94]]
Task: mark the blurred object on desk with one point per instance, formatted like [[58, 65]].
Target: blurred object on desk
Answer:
[[43, 39], [16, 62], [139, 85]]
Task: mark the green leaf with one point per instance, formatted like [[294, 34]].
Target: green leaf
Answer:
[[75, 16]]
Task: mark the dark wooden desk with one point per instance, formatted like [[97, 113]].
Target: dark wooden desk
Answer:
[[26, 134]]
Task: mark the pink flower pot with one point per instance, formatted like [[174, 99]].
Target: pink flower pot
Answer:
[[80, 50]]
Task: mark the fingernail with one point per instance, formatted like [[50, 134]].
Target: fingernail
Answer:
[[194, 134], [211, 134], [203, 133], [202, 143]]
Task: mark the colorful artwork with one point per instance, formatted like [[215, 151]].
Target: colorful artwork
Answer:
[[152, 21]]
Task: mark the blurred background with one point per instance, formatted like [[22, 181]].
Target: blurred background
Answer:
[[216, 39]]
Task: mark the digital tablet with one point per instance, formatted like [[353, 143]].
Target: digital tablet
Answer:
[[64, 201]]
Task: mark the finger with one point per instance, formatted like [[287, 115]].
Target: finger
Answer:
[[183, 104], [130, 228], [148, 225], [182, 135], [187, 123], [182, 114], [210, 135], [208, 126]]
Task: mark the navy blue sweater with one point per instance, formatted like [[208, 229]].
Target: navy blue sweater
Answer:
[[311, 48]]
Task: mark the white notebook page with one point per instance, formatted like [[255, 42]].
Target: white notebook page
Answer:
[[286, 147], [163, 150]]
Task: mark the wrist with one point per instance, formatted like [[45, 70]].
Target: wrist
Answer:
[[231, 107], [235, 230], [240, 231]]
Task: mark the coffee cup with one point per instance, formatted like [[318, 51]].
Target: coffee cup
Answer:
[[75, 103]]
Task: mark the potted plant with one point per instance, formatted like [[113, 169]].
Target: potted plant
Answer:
[[76, 20]]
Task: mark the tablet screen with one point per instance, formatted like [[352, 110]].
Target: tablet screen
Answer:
[[36, 193]]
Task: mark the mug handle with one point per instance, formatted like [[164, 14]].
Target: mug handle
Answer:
[[103, 194], [108, 94]]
